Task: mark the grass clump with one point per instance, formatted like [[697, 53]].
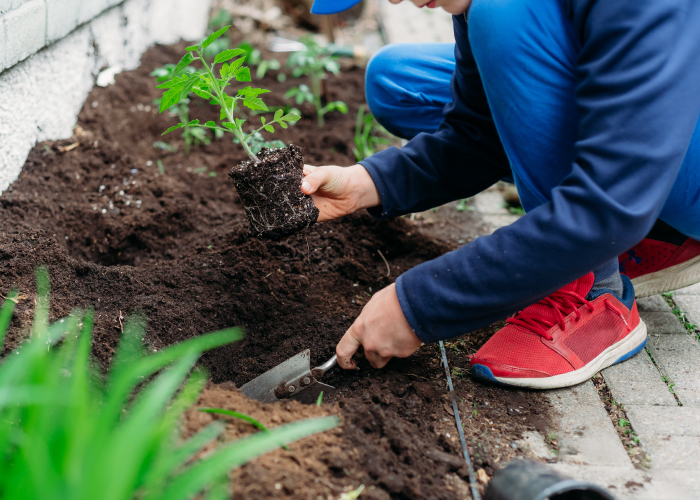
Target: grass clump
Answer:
[[69, 432]]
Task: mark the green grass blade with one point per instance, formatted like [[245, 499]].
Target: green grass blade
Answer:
[[242, 416], [206, 471], [8, 308]]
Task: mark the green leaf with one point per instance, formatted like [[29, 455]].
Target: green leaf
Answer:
[[202, 93], [227, 55], [230, 125], [254, 103], [278, 114], [283, 125], [242, 75], [291, 117], [210, 123], [320, 399], [184, 62], [170, 99], [239, 122], [237, 63], [263, 120], [224, 71], [206, 43], [192, 48], [192, 123], [173, 128], [188, 87], [203, 472], [269, 128]]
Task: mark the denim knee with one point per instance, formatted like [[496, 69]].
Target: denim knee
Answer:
[[383, 89]]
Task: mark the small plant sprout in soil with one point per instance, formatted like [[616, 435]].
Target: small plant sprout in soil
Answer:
[[314, 61], [369, 135], [269, 184]]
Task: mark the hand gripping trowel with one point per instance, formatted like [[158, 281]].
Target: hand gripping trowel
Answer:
[[293, 379]]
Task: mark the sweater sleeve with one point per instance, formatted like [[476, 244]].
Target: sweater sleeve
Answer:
[[462, 158], [639, 103]]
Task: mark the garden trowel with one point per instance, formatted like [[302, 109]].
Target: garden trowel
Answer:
[[293, 379]]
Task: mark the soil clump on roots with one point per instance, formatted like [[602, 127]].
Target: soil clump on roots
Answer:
[[270, 194], [121, 233]]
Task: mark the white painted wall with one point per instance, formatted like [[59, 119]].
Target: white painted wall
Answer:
[[52, 50]]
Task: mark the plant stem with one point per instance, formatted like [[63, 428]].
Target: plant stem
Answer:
[[236, 131], [316, 85]]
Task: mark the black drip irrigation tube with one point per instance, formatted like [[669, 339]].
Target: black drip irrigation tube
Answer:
[[458, 422]]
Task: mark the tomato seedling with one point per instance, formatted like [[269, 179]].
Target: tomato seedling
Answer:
[[207, 85], [369, 135], [314, 61]]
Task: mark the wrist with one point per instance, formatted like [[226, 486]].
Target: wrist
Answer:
[[361, 183]]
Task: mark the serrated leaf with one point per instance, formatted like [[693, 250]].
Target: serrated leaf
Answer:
[[193, 122], [174, 127], [222, 115], [229, 125], [192, 48], [239, 122], [169, 99], [173, 83], [184, 62], [278, 114], [291, 117], [242, 75], [254, 103], [210, 123], [237, 63], [203, 94], [206, 43], [269, 128], [224, 71], [188, 87], [227, 55]]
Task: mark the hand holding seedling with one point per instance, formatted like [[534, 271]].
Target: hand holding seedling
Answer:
[[339, 191], [382, 329], [207, 85]]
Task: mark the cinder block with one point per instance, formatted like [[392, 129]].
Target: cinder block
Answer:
[[584, 430], [662, 322], [22, 32], [637, 381], [690, 305], [8, 5], [63, 16], [678, 357], [655, 303]]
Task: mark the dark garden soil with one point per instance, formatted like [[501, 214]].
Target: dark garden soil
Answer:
[[121, 234]]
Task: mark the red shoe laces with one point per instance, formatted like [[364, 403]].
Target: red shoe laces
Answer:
[[562, 303]]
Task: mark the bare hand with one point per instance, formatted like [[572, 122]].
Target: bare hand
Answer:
[[382, 329], [339, 191]]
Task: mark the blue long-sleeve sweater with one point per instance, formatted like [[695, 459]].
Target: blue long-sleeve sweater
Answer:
[[638, 100]]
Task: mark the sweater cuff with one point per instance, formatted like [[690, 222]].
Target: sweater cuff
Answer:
[[375, 165], [408, 312]]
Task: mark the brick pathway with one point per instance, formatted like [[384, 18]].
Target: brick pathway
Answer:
[[659, 388]]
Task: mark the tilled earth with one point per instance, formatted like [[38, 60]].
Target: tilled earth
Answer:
[[122, 233]]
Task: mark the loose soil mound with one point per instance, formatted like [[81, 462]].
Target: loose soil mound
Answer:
[[121, 234]]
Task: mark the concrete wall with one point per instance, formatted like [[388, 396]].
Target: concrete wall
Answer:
[[52, 50]]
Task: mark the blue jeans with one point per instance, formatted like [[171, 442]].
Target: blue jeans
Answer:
[[531, 93]]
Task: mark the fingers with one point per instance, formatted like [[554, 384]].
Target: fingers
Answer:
[[345, 349], [376, 360], [308, 169], [315, 179]]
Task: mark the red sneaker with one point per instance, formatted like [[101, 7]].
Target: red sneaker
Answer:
[[656, 267], [563, 339]]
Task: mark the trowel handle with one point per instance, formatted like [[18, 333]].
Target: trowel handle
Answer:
[[320, 370]]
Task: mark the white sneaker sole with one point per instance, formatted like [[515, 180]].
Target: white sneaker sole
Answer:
[[679, 276], [623, 350]]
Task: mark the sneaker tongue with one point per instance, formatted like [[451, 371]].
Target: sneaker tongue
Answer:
[[545, 313], [581, 286]]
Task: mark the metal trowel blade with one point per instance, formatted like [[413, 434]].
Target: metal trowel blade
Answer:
[[263, 387], [310, 394]]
